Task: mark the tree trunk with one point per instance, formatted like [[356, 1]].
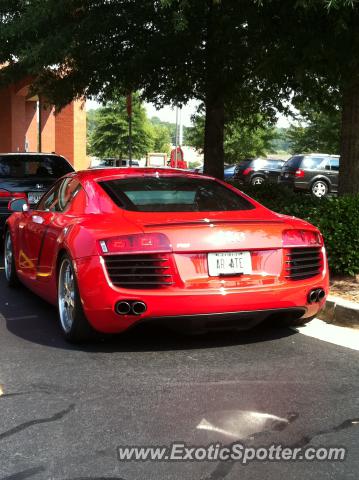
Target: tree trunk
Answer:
[[214, 102], [349, 159], [214, 135]]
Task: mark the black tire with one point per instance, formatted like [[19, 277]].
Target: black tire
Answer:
[[257, 180], [73, 322], [319, 188], [12, 279]]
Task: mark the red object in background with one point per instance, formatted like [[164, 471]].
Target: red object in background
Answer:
[[162, 258], [180, 163], [129, 104]]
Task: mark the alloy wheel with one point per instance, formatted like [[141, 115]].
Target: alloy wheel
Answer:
[[66, 295], [258, 181], [319, 189], [8, 256]]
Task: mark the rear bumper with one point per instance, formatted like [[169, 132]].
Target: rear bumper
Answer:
[[246, 306], [243, 320], [294, 184]]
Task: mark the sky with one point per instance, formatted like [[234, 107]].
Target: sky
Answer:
[[168, 113]]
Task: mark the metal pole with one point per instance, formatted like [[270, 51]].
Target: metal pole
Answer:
[[176, 137], [129, 113], [39, 126], [130, 139]]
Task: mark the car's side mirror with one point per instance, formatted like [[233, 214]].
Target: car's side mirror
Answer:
[[18, 205]]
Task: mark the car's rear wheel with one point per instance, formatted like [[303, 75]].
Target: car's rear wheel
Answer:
[[9, 261], [73, 321], [257, 180], [319, 188]]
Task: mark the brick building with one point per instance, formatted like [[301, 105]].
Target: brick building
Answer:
[[27, 124]]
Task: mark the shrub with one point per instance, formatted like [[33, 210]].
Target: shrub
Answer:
[[336, 217]]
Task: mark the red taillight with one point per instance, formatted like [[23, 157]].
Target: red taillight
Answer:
[[302, 238], [247, 170], [139, 242], [7, 194], [299, 173]]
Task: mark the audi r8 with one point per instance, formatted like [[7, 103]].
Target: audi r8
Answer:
[[115, 247]]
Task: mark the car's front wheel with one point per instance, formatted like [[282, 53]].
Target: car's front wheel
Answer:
[[9, 261], [319, 188], [73, 321]]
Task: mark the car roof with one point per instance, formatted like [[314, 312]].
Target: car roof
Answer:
[[98, 174], [314, 155], [29, 154]]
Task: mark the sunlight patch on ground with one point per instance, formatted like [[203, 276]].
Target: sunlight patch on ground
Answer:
[[343, 336]]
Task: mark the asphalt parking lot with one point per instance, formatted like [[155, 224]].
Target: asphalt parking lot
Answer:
[[66, 409]]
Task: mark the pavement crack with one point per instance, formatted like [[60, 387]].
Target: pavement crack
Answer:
[[25, 473], [23, 426], [349, 423], [224, 468]]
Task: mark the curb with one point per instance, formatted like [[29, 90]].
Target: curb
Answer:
[[338, 311]]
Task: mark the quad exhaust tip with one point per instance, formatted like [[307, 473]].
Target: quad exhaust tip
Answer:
[[316, 296], [128, 307], [123, 308]]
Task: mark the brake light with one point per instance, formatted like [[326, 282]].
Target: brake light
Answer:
[[299, 173], [139, 242], [247, 170], [7, 194], [302, 238]]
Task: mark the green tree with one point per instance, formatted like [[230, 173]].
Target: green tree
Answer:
[[243, 138], [236, 57], [109, 135], [161, 138], [170, 50], [315, 130]]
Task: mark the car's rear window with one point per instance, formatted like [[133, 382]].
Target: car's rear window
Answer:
[[243, 164], [43, 166], [173, 194], [294, 162]]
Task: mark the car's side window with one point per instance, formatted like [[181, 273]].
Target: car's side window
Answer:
[[315, 163], [60, 196], [334, 163], [67, 192], [49, 199]]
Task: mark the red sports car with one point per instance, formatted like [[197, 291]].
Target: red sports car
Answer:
[[113, 248]]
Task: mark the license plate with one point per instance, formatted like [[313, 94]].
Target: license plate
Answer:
[[229, 263], [286, 175], [34, 197]]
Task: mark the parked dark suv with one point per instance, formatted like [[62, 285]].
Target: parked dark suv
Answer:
[[28, 175], [315, 173], [259, 170]]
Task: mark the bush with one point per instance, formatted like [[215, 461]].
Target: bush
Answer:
[[336, 217]]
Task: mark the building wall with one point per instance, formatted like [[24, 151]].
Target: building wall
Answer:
[[64, 133], [48, 143], [5, 120], [31, 134]]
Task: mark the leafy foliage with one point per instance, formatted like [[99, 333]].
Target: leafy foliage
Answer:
[[243, 137], [336, 217], [236, 57], [315, 130], [109, 136]]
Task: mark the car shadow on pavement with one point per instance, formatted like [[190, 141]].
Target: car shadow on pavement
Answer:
[[32, 319]]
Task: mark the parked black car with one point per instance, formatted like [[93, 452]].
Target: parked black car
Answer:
[[315, 173], [258, 171], [28, 175]]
